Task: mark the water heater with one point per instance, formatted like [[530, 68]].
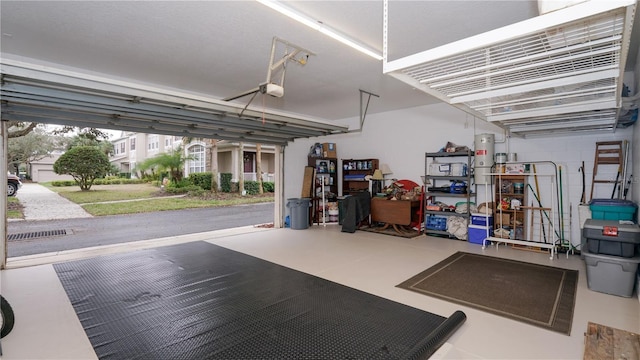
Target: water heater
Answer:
[[483, 159]]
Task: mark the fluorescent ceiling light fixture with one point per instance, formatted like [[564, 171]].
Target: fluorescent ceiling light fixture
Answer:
[[317, 25]]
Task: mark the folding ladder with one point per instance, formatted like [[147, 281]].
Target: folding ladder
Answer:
[[609, 153]]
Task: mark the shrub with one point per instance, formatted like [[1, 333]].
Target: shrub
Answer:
[[268, 186], [63, 183], [251, 187], [182, 190], [202, 180], [197, 193], [106, 181], [225, 182]]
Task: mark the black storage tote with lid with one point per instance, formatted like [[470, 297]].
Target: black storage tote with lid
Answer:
[[611, 237]]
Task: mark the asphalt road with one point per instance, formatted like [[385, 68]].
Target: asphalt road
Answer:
[[104, 230]]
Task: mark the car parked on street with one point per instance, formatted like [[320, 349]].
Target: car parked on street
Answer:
[[13, 184]]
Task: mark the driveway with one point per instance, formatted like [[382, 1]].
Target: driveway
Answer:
[[41, 203], [49, 231]]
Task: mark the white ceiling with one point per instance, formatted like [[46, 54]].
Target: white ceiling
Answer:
[[221, 48]]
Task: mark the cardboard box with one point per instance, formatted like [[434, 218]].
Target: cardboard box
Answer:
[[486, 208], [329, 150], [503, 219], [514, 169]]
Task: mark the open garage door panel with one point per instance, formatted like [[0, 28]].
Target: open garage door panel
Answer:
[[48, 95]]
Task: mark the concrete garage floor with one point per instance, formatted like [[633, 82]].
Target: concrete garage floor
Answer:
[[48, 328]]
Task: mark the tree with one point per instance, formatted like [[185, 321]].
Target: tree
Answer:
[[213, 155], [21, 128], [144, 166], [88, 139], [259, 168], [241, 168], [84, 164], [31, 147], [87, 132], [172, 162]]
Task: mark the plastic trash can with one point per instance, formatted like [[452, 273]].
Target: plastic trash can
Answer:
[[299, 212]]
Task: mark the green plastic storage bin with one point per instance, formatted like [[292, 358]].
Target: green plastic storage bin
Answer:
[[613, 209]]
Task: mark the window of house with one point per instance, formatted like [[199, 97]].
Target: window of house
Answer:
[[197, 162], [133, 144], [168, 141], [153, 142], [119, 148]]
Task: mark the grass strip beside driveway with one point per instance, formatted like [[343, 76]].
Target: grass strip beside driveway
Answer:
[[100, 193], [104, 200], [14, 208], [164, 204]]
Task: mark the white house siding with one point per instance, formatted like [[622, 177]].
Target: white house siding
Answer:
[[227, 154], [47, 175], [42, 170]]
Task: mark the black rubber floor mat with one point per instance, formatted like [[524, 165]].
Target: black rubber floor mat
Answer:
[[202, 301]]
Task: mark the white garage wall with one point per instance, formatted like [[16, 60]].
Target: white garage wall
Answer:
[[400, 139]]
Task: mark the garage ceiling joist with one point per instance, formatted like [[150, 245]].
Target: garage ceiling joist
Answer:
[[48, 95]]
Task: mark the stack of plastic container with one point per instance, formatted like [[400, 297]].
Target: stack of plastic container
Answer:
[[611, 246], [480, 227]]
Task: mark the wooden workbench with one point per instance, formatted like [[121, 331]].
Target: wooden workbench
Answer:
[[396, 213]]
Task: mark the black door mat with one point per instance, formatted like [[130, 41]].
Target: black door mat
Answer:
[[202, 301]]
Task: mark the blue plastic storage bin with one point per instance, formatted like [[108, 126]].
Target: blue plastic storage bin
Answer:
[[613, 209], [477, 234], [436, 223], [481, 219]]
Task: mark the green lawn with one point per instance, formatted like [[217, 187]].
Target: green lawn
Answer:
[[14, 208], [163, 204], [100, 193], [145, 198]]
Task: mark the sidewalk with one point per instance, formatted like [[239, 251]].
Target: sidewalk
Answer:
[[41, 203]]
